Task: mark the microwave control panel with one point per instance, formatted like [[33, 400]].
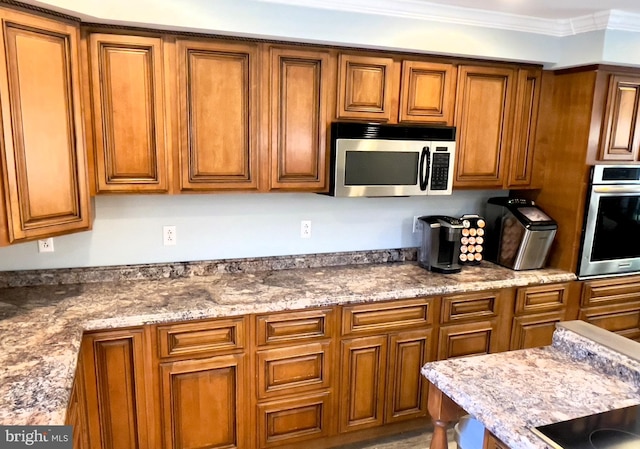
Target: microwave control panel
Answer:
[[440, 171]]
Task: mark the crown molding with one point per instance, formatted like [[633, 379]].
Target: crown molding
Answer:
[[421, 10]]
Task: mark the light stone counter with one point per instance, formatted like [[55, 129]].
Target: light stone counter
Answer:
[[41, 326], [511, 392]]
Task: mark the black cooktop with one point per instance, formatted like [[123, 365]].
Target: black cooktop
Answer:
[[615, 429]]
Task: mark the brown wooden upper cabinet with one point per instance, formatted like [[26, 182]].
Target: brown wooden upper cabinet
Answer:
[[620, 139], [218, 111], [128, 113], [483, 119], [365, 88], [298, 96], [44, 167], [427, 92]]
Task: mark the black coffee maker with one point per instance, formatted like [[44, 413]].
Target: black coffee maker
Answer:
[[440, 248]]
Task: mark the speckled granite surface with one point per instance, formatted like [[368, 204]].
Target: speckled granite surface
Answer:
[[512, 392], [41, 326]]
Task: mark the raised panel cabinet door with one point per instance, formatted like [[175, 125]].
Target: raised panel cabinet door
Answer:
[[77, 409], [127, 87], [621, 128], [217, 88], [427, 92], [203, 403], [364, 87], [116, 389], [623, 319], [532, 331], [406, 387], [299, 89], [524, 129], [43, 152], [484, 120], [363, 383]]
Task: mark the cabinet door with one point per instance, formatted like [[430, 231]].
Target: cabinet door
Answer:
[[406, 388], [299, 88], [483, 121], [365, 87], [524, 129], [621, 129], [363, 382], [427, 92], [43, 153], [532, 331], [116, 389], [203, 403], [623, 319], [127, 87], [218, 115]]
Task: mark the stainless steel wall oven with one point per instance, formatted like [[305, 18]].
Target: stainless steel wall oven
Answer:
[[611, 230]]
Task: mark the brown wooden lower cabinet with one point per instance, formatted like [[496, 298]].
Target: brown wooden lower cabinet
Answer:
[[77, 411], [460, 340], [623, 319], [204, 403], [491, 442], [532, 331]]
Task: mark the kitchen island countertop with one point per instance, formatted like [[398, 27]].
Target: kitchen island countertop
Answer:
[[512, 392], [41, 327]]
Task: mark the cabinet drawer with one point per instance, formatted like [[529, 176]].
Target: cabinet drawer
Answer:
[[292, 420], [294, 326], [533, 331], [542, 298], [610, 291], [623, 319], [294, 369], [202, 337], [390, 315], [470, 306], [462, 340]]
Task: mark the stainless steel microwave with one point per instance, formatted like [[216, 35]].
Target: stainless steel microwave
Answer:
[[376, 160], [611, 229]]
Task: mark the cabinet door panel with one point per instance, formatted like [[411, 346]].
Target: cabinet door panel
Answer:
[[467, 339], [406, 389], [43, 151], [202, 403], [362, 382], [299, 89], [484, 112], [623, 319], [427, 92], [542, 298], [115, 386], [292, 327], [128, 113], [621, 134], [524, 130], [365, 87], [218, 115]]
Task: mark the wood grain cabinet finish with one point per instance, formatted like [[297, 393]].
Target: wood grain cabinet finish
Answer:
[[610, 291], [294, 420], [492, 442], [484, 112], [298, 94], [77, 409], [427, 92], [542, 298], [532, 331], [365, 87], [204, 403], [620, 139], [623, 319], [46, 190], [293, 327], [116, 389], [218, 110], [461, 340], [381, 317], [128, 105], [521, 166]]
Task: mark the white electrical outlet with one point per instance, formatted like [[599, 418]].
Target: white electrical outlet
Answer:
[[45, 245], [305, 229], [169, 235], [417, 224]]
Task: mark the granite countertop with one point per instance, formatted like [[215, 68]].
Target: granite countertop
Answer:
[[512, 392], [41, 326]]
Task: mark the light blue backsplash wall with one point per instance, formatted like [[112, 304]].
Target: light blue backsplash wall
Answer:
[[128, 229]]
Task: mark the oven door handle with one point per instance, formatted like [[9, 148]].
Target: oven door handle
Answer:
[[616, 189]]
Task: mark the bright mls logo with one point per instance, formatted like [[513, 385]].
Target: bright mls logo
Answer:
[[36, 437]]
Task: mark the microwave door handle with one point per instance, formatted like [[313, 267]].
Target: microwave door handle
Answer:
[[425, 163]]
